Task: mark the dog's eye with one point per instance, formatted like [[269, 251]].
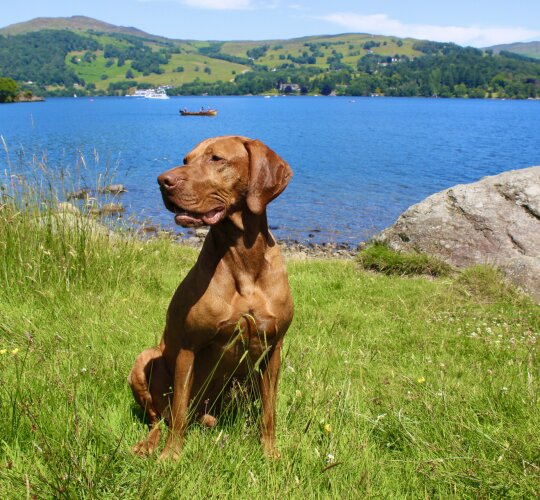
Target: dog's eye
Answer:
[[217, 158]]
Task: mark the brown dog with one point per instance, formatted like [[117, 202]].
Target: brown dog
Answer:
[[227, 319]]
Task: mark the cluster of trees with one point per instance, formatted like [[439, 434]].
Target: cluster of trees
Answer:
[[40, 56], [253, 82], [258, 52], [8, 90], [11, 92], [448, 70], [444, 70], [142, 57], [214, 50]]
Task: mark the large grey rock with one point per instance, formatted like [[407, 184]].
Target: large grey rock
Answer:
[[493, 221]]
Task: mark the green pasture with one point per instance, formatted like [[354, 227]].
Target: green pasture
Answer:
[[349, 45], [391, 386], [194, 67]]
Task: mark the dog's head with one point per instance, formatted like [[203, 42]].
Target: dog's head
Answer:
[[220, 176]]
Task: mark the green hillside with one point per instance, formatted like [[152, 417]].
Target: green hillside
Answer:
[[187, 61], [63, 55], [528, 49], [74, 23]]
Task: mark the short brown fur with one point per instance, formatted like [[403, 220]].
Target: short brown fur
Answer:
[[230, 313]]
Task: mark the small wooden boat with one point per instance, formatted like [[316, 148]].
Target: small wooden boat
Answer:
[[206, 112]]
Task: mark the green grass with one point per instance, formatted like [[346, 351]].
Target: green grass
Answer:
[[379, 257], [193, 64], [350, 46], [390, 387], [91, 72], [343, 44]]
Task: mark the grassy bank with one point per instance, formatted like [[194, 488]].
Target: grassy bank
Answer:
[[391, 386]]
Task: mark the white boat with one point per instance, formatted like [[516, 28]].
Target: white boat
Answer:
[[158, 93], [137, 93]]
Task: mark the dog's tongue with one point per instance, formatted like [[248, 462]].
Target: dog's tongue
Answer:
[[212, 217], [185, 219], [190, 219]]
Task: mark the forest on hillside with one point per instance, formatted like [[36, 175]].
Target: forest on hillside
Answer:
[[40, 56], [435, 69], [444, 70]]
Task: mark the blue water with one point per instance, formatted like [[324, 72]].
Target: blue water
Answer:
[[358, 162]]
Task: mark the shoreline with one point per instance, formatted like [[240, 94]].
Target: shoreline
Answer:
[[194, 238], [110, 218]]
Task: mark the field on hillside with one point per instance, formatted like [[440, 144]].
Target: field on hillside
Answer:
[[350, 46], [193, 66], [210, 69], [390, 387], [64, 56]]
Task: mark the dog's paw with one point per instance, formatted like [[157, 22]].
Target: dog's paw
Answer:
[[143, 449], [149, 445], [173, 447], [272, 453], [169, 453]]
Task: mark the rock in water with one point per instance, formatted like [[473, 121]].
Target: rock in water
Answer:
[[114, 189], [80, 194], [108, 209], [493, 221]]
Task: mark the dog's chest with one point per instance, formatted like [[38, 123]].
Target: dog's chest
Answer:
[[251, 308]]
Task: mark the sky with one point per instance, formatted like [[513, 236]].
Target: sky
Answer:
[[479, 23]]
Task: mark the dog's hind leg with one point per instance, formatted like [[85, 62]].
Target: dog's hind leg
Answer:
[[151, 385]]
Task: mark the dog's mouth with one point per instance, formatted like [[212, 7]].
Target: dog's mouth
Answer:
[[188, 218], [193, 219]]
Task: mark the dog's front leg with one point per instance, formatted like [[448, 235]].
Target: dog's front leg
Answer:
[[183, 382], [268, 388]]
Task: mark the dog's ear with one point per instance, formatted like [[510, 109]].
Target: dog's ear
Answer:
[[268, 176]]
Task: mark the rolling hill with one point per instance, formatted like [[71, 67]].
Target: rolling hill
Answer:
[[527, 49], [190, 61], [74, 23], [62, 55]]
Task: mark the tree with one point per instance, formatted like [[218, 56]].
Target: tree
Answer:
[[326, 89], [129, 74], [8, 90]]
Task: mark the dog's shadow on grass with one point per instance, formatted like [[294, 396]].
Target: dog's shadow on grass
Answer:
[[230, 416]]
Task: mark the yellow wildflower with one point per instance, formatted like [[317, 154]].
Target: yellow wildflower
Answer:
[[421, 380], [328, 428], [3, 351], [15, 351]]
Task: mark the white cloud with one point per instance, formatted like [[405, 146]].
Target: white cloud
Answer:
[[478, 36], [219, 4], [223, 4], [211, 4]]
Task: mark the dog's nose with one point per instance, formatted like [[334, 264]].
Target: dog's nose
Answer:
[[168, 180]]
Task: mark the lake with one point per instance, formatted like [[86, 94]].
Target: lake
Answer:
[[358, 162]]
